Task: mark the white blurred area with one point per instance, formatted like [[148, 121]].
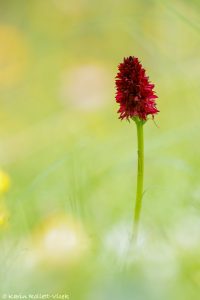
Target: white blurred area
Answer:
[[70, 7], [186, 232], [85, 87], [61, 240]]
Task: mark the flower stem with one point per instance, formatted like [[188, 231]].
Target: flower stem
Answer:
[[140, 177]]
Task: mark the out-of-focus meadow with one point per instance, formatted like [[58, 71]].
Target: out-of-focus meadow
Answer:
[[68, 165]]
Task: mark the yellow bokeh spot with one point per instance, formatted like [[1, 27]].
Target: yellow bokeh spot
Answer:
[[4, 182], [13, 55], [3, 219], [3, 216]]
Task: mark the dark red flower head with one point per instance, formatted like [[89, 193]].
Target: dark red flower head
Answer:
[[135, 93]]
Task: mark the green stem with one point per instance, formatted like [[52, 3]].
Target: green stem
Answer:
[[140, 177]]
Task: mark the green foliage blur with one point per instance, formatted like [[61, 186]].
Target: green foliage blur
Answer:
[[65, 221]]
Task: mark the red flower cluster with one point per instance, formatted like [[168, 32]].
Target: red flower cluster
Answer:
[[135, 93]]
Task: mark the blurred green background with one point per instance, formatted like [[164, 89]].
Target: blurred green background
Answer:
[[65, 221]]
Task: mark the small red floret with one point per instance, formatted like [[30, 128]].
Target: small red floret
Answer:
[[135, 93]]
